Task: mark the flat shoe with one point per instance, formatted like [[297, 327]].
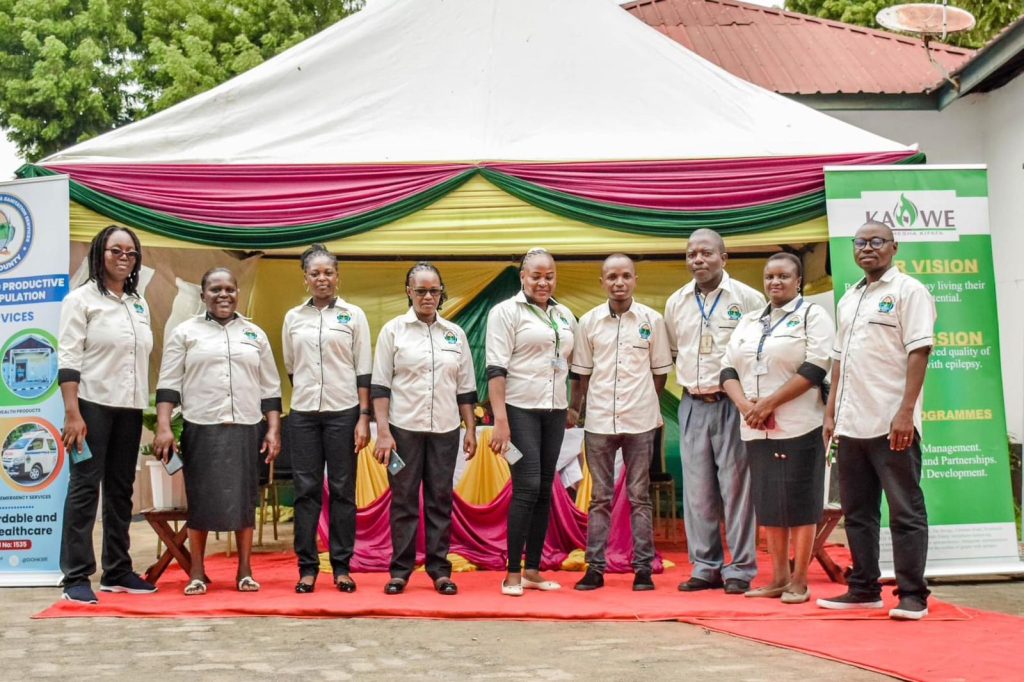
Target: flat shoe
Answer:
[[543, 585], [347, 586], [394, 586], [446, 586], [511, 590], [767, 592], [304, 588], [796, 597]]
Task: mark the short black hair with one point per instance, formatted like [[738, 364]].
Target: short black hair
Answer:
[[219, 268], [795, 260], [97, 268]]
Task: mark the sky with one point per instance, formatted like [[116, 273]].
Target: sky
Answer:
[[10, 161]]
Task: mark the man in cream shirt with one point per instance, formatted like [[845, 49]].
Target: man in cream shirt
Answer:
[[622, 357], [886, 323], [700, 319]]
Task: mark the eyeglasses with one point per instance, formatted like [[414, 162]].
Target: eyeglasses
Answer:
[[875, 243], [434, 293], [121, 253]]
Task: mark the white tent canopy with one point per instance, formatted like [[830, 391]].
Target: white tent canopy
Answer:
[[480, 80]]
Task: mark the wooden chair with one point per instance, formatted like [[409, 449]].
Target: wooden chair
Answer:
[[663, 483]]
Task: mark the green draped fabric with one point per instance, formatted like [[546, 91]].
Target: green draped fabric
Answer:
[[671, 436], [647, 222], [473, 320]]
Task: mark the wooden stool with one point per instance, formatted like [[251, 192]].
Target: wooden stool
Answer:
[[666, 485], [174, 540], [829, 520]]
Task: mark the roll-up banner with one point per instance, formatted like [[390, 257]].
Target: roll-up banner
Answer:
[[939, 217], [34, 475]]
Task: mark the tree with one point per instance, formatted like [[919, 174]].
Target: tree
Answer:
[[992, 15], [73, 69]]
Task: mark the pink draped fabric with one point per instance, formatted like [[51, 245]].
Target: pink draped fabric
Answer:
[[479, 532], [287, 195]]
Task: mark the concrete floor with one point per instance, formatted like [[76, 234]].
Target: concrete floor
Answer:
[[380, 649]]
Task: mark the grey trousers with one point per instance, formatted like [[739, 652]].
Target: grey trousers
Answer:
[[716, 484], [637, 450]]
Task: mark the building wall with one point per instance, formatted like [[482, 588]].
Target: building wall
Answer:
[[981, 129]]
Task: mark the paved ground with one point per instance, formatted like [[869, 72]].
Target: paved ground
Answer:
[[370, 649]]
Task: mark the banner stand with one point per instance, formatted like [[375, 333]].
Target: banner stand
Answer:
[[939, 217], [34, 238]]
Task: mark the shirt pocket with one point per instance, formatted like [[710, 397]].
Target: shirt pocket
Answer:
[[882, 320]]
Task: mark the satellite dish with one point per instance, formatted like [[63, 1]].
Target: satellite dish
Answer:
[[926, 20]]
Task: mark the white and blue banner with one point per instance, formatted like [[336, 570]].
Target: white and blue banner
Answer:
[[34, 234]]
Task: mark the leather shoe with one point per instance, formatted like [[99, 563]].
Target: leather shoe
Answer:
[[696, 584], [592, 580], [642, 581], [394, 586], [737, 586]]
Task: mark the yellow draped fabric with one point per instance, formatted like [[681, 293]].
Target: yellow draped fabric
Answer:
[[478, 219], [486, 475], [371, 477]]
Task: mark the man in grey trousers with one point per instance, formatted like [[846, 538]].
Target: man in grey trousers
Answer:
[[700, 319]]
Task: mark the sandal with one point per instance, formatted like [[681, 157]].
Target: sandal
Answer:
[[247, 584], [446, 586], [394, 586], [344, 583], [195, 587]]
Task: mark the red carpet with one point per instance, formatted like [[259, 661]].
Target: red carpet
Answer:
[[952, 643]]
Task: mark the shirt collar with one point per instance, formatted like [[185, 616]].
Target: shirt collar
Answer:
[[334, 301], [410, 317], [523, 298], [210, 318], [606, 310], [888, 276]]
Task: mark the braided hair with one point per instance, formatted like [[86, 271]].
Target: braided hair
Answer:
[[533, 253], [428, 267], [316, 251], [97, 265]]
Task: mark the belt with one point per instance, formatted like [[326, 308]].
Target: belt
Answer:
[[708, 397]]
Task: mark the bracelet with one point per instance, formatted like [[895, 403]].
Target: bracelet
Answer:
[[365, 412]]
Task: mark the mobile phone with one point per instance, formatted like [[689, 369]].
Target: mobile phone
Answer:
[[173, 465], [512, 454], [79, 456], [395, 463]]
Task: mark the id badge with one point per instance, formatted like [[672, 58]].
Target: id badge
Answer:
[[761, 368], [559, 363], [707, 343]]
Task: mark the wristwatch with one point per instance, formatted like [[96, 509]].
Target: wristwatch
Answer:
[[365, 411]]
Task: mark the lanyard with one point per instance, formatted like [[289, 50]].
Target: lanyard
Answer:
[[767, 330], [700, 304], [549, 322]]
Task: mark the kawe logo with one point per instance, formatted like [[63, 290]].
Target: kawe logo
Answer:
[[918, 215], [906, 215]]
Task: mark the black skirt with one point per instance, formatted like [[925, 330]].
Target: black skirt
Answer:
[[787, 479], [221, 475]]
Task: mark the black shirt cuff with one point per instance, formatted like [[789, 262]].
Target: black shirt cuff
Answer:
[[495, 371], [168, 395], [378, 391], [363, 381], [270, 405], [65, 376], [813, 373], [573, 376], [466, 398], [727, 374]]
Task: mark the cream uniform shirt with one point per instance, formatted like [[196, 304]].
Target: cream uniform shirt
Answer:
[[532, 349], [327, 353], [426, 371], [698, 364], [221, 374], [879, 325], [620, 353], [104, 343], [800, 342]]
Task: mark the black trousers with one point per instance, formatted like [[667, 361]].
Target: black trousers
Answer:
[[319, 439], [538, 435], [867, 467], [429, 462], [113, 435]]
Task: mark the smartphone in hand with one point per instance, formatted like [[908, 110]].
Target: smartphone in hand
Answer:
[[174, 464], [395, 463], [512, 454], [79, 456]]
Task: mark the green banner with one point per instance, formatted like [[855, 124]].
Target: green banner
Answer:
[[939, 216]]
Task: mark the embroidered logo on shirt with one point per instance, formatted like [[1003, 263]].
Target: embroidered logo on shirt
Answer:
[[250, 334], [794, 321], [886, 304], [344, 317], [451, 338], [734, 312], [565, 322], [139, 308], [645, 331]]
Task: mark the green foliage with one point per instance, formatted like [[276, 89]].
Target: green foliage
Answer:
[[992, 15], [73, 69]]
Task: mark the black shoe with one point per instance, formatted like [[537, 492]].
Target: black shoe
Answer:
[[849, 600], [909, 608], [444, 585], [591, 580], [642, 581], [347, 586], [130, 583], [696, 584], [394, 586], [736, 586], [81, 594], [304, 588]]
